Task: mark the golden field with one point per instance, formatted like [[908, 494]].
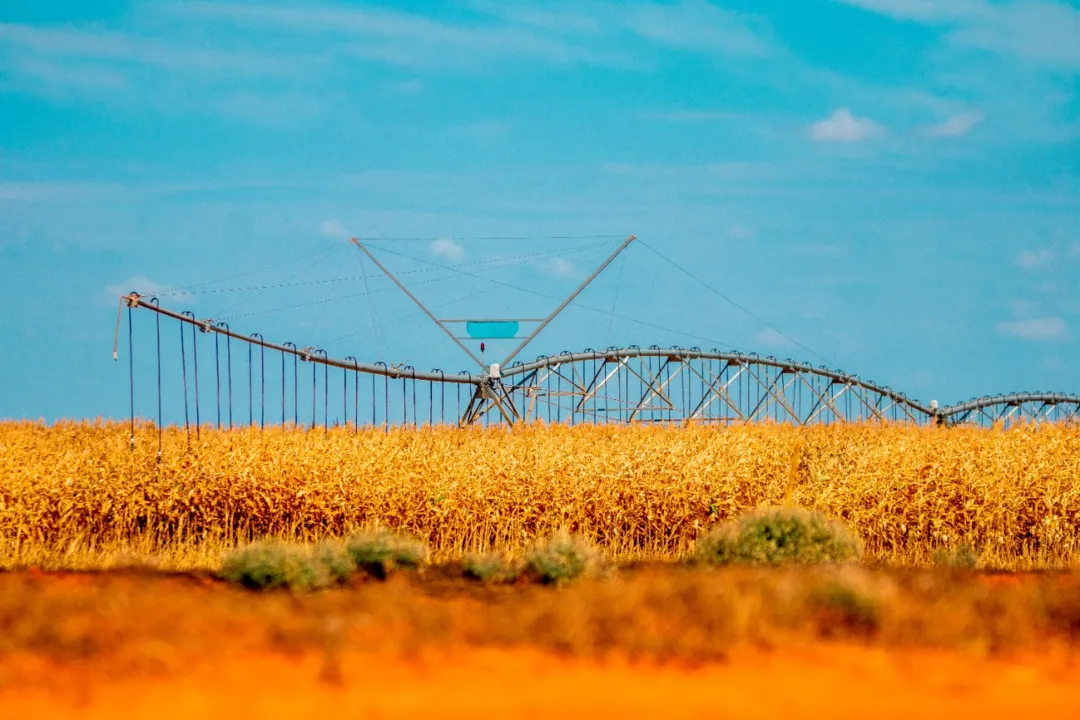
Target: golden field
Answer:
[[74, 495]]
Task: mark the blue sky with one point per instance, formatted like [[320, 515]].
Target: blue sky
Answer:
[[894, 185]]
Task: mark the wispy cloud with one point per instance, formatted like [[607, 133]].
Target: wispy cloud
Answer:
[[842, 126], [1035, 31], [152, 70], [559, 267], [334, 229], [738, 231], [693, 115], [448, 249], [772, 339], [484, 129], [413, 86], [136, 283], [956, 126], [1048, 328], [56, 191], [399, 38], [1035, 259], [495, 32], [694, 25], [133, 49]]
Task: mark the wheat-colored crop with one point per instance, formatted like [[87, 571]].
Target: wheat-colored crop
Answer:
[[71, 491]]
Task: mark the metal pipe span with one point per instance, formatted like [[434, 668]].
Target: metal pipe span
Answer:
[[307, 354]]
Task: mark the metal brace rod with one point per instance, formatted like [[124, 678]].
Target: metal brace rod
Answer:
[[567, 301], [416, 300]]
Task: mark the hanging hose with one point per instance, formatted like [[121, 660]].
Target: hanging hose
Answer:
[[228, 366], [326, 391], [195, 356], [217, 376], [157, 330], [374, 415], [262, 380], [131, 378], [356, 399], [251, 389], [296, 412], [183, 372]]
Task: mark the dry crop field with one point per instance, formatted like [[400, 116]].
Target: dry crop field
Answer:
[[115, 597], [73, 495]]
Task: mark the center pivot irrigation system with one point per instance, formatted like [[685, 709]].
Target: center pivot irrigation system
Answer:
[[618, 384]]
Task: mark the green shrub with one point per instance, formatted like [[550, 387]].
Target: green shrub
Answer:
[[335, 560], [780, 536], [844, 607], [490, 567], [563, 557], [381, 551], [268, 565], [965, 557]]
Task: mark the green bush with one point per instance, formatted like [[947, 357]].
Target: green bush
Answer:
[[268, 565], [335, 560], [381, 551], [780, 536], [563, 557], [845, 607], [490, 567], [964, 557]]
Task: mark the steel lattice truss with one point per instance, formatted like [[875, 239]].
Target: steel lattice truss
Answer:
[[620, 385]]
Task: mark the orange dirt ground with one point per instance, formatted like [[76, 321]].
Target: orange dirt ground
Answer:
[[818, 681], [145, 645]]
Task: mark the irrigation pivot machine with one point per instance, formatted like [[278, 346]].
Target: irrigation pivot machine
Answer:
[[616, 385]]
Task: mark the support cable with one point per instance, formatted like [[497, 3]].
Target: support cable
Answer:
[[732, 302]]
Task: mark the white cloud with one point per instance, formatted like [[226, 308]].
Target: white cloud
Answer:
[[772, 339], [842, 126], [956, 126], [448, 249], [1035, 259], [1048, 328], [136, 283], [334, 229]]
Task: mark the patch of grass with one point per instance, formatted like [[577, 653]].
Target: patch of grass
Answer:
[[563, 557], [268, 565], [381, 551], [780, 536], [490, 567]]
